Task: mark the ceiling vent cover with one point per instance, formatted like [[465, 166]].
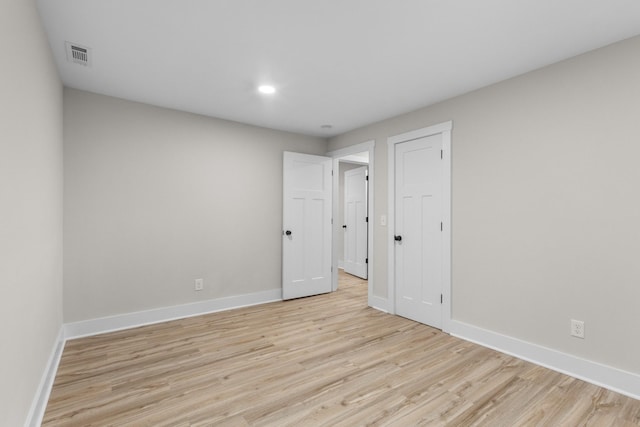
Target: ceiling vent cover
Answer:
[[78, 54]]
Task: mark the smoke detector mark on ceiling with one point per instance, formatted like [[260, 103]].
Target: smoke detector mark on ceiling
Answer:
[[78, 54]]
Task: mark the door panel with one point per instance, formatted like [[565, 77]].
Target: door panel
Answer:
[[356, 233], [306, 236], [418, 215], [316, 261]]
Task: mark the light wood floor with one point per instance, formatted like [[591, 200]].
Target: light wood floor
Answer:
[[325, 360]]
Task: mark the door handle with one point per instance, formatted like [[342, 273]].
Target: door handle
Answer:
[[397, 238], [344, 226], [288, 232]]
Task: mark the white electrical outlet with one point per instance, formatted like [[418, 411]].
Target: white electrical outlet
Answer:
[[199, 285], [577, 328]]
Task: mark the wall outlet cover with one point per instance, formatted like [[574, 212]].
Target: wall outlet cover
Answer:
[[577, 328]]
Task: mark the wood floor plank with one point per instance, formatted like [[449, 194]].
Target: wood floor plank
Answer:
[[327, 360]]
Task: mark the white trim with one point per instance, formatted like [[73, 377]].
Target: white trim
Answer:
[[444, 129], [340, 265], [337, 228], [447, 295], [421, 133], [614, 379], [353, 149], [140, 318], [379, 303], [39, 403], [353, 162]]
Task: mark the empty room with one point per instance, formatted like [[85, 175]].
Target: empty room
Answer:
[[319, 213]]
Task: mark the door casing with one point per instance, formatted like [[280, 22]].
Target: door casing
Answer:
[[444, 129]]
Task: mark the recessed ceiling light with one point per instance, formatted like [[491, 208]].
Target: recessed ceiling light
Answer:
[[266, 89], [326, 126]]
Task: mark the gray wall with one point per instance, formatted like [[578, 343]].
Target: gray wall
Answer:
[[545, 203], [155, 198], [30, 207]]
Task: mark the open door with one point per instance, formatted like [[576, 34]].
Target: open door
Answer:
[[356, 221], [306, 235]]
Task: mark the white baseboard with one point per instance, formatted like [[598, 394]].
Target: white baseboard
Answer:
[[614, 379], [140, 318], [39, 404], [341, 264], [379, 303]]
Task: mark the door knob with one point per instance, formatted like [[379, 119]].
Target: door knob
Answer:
[[398, 238], [288, 232]]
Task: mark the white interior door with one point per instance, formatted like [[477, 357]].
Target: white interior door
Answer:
[[306, 235], [356, 218], [418, 229]]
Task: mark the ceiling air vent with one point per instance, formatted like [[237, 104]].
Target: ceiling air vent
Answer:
[[78, 54]]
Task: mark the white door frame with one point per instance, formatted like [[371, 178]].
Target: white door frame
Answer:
[[444, 129], [337, 228]]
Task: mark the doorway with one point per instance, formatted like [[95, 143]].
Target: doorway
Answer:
[[352, 158], [353, 215]]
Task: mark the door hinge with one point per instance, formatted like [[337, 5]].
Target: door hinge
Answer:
[[440, 298], [331, 220], [332, 268], [441, 153], [366, 219], [366, 177], [366, 260], [440, 225]]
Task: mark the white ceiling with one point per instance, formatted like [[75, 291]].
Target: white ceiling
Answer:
[[347, 63]]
